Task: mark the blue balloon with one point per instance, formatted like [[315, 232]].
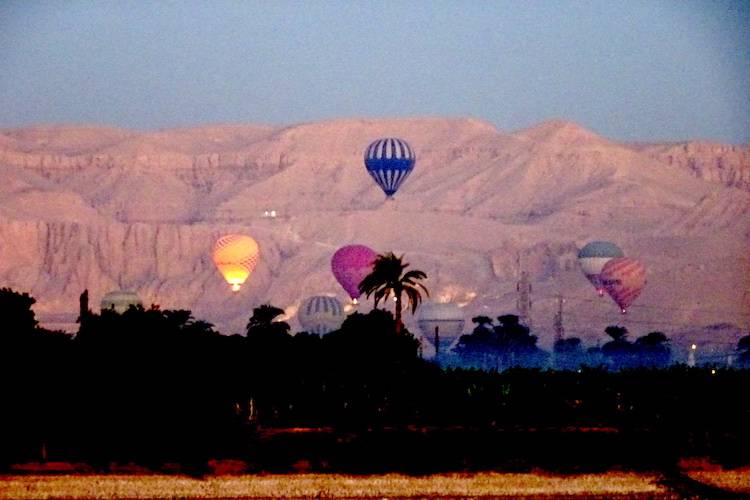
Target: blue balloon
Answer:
[[389, 161]]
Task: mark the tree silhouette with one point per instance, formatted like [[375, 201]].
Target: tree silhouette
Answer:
[[262, 322], [482, 322], [19, 320], [388, 277], [619, 351], [479, 348], [517, 345], [618, 333], [507, 344], [569, 353], [743, 352], [369, 367], [652, 350]]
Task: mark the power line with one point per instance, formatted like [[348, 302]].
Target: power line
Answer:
[[558, 320], [523, 287], [661, 308], [629, 319]]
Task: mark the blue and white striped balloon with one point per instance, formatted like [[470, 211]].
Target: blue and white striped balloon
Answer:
[[320, 314], [389, 161]]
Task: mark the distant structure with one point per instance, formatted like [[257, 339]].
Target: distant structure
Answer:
[[83, 306], [523, 287], [441, 324], [691, 355], [558, 320], [320, 314], [119, 301]]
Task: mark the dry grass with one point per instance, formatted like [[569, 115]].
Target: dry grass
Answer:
[[322, 485], [734, 480]]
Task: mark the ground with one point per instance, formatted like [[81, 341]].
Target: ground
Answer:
[[525, 485]]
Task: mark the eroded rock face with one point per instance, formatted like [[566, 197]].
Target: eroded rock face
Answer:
[[104, 209], [721, 163]]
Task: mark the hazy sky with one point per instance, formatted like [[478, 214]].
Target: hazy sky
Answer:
[[627, 69]]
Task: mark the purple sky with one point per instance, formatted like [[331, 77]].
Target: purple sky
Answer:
[[630, 70]]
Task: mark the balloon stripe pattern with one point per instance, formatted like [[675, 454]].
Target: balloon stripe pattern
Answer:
[[389, 161], [321, 314], [593, 257], [325, 305], [624, 279]]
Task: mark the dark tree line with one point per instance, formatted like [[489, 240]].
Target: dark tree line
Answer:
[[508, 343], [504, 345], [155, 386]]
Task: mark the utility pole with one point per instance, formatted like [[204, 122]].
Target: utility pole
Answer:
[[558, 320], [523, 287]]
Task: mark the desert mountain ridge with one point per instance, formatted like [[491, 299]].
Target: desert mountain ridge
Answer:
[[105, 208]]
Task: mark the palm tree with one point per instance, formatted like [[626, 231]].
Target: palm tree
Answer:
[[262, 322], [388, 277]]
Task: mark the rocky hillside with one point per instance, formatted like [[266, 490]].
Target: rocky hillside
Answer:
[[103, 208]]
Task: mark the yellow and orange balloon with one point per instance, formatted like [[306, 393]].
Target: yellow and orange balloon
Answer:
[[236, 256]]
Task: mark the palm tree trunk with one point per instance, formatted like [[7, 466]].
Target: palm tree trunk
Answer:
[[399, 324]]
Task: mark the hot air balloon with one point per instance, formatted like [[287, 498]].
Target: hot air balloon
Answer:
[[447, 318], [320, 314], [389, 161], [119, 301], [235, 256], [592, 258], [350, 264], [623, 279]]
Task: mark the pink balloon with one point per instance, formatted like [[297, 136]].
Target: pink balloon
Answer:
[[623, 279], [350, 264]]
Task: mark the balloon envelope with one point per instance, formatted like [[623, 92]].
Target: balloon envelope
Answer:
[[446, 317], [236, 256], [592, 258], [623, 279], [320, 314], [389, 161], [350, 264], [119, 301]]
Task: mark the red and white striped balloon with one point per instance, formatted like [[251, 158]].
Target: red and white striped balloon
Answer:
[[623, 279]]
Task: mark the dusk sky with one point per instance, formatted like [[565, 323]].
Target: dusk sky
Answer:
[[629, 70]]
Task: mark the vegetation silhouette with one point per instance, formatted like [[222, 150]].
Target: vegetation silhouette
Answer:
[[157, 387], [388, 277], [743, 352], [569, 354], [500, 346]]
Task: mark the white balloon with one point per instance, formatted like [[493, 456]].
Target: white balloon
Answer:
[[119, 301], [320, 314]]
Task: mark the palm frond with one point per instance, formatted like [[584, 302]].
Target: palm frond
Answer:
[[381, 294], [415, 298], [414, 274], [388, 277]]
